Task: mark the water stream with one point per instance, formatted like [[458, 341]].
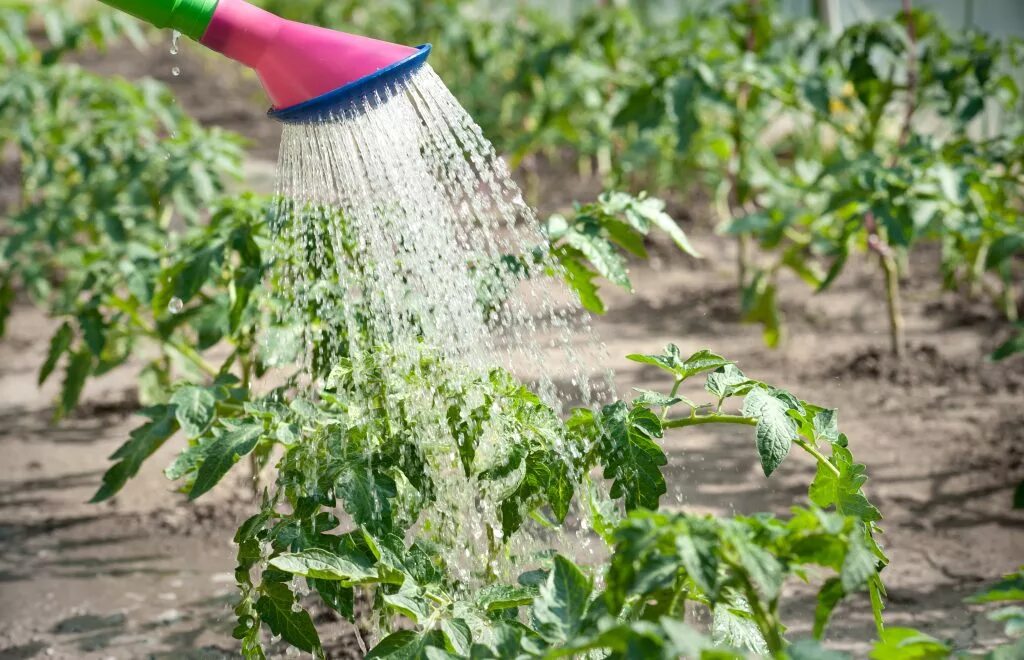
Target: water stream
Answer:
[[405, 234]]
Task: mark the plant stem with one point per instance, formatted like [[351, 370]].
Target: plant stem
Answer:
[[894, 305], [697, 420], [180, 348], [821, 458], [1010, 302], [675, 390]]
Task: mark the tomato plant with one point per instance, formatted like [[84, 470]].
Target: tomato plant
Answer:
[[397, 541]]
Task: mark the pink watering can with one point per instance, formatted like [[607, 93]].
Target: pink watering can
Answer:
[[310, 73]]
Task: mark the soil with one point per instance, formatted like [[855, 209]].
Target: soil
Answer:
[[942, 433]]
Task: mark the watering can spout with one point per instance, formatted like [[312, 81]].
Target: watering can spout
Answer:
[[298, 64]]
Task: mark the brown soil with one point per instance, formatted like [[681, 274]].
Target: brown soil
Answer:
[[942, 434]]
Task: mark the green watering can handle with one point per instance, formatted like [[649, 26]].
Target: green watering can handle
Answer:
[[190, 17]]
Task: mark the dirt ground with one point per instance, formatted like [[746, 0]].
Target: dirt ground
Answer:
[[149, 576]]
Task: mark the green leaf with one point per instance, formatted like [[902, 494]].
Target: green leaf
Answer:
[[764, 569], [759, 306], [457, 635], [195, 408], [1010, 588], [696, 549], [337, 596], [367, 496], [59, 345], [908, 644], [732, 625], [78, 370], [672, 362], [653, 210], [829, 595], [631, 456], [581, 280], [562, 603], [319, 564], [410, 601], [685, 94], [859, 565], [728, 381], [843, 491], [1003, 249], [502, 597], [560, 490], [810, 649], [406, 645], [275, 609], [1012, 346], [6, 302], [221, 455], [826, 425], [657, 399], [602, 255], [775, 430], [144, 441]]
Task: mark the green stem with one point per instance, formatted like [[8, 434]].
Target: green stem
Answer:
[[675, 390], [697, 420], [894, 306], [813, 451], [180, 348]]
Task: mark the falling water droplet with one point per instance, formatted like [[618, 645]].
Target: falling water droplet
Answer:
[[175, 71], [175, 306], [175, 37]]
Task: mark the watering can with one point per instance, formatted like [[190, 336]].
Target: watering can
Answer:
[[308, 72]]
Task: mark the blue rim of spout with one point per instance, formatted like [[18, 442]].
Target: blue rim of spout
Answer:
[[349, 97]]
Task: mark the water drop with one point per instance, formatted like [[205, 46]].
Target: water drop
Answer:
[[175, 38], [175, 306], [175, 71]]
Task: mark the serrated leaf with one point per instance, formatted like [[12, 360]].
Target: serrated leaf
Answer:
[[59, 345], [195, 408], [501, 597], [843, 491], [775, 429], [731, 625], [561, 605], [457, 636], [320, 564], [220, 456], [696, 550], [337, 596], [829, 595], [826, 425], [858, 565], [143, 442], [75, 375], [410, 601], [657, 399], [764, 569], [602, 256], [581, 280], [406, 645], [672, 361], [275, 609], [630, 455], [367, 496], [728, 381]]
